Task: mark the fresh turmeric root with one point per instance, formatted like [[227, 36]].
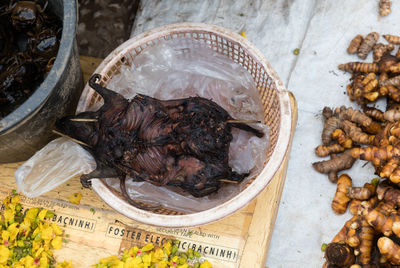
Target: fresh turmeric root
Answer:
[[341, 200], [355, 89], [395, 81], [355, 44], [358, 117], [361, 193], [389, 167], [395, 68], [387, 193], [380, 49], [357, 207], [383, 217], [323, 150], [386, 62], [393, 92], [389, 250], [359, 67], [385, 7], [339, 254], [392, 115], [374, 113], [393, 39], [364, 88], [366, 235], [377, 155], [358, 235], [330, 125], [346, 232], [342, 138], [340, 162], [356, 134], [367, 45]]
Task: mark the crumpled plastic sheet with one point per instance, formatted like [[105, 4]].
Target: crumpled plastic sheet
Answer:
[[169, 70], [57, 162]]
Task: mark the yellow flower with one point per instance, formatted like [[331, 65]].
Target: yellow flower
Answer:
[[175, 259], [25, 227], [13, 230], [47, 232], [57, 230], [7, 200], [112, 261], [38, 252], [206, 264], [167, 246], [75, 198], [109, 259], [31, 214], [146, 259], [132, 251], [44, 261], [158, 255], [4, 253], [15, 199], [35, 245], [64, 264], [57, 242], [42, 214], [133, 261], [162, 264], [148, 247], [9, 215], [27, 261], [119, 264], [44, 234], [5, 235]]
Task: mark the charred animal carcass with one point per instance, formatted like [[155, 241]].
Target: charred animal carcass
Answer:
[[181, 142]]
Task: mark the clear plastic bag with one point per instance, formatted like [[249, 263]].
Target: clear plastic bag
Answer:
[[171, 69], [181, 68], [57, 162]]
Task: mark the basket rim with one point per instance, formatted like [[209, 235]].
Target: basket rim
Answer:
[[244, 197]]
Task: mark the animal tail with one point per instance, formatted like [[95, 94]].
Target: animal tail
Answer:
[[133, 202]]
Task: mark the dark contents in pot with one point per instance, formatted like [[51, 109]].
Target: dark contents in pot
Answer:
[[180, 142], [29, 40]]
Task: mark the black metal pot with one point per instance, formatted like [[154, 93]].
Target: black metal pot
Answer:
[[29, 127]]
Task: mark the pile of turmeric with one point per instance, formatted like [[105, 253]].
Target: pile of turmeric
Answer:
[[380, 78], [372, 135], [371, 238], [344, 128]]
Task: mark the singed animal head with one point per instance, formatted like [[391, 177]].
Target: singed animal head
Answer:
[[82, 127]]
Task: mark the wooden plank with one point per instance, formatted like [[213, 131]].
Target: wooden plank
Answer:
[[240, 240], [265, 212]]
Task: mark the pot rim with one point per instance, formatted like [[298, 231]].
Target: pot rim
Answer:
[[33, 104]]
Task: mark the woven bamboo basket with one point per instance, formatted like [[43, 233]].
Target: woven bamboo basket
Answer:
[[274, 97]]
